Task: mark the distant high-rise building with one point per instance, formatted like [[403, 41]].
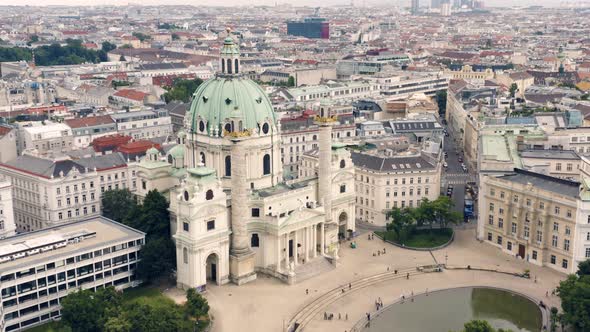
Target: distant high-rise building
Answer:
[[415, 7], [435, 4], [311, 27], [445, 9]]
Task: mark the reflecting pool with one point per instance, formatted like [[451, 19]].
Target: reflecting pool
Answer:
[[448, 310]]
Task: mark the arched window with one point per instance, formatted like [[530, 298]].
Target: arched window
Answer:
[[342, 163], [185, 255], [228, 66], [169, 159], [266, 164], [237, 65], [186, 195], [209, 195], [265, 128], [201, 126], [227, 127], [202, 154], [223, 66], [254, 241], [227, 166], [315, 137]]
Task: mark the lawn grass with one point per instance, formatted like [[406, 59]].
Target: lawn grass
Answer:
[[421, 238]]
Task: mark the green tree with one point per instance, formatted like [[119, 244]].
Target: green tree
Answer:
[[118, 324], [156, 316], [584, 268], [157, 259], [141, 36], [291, 81], [197, 309], [402, 223], [478, 326], [34, 38], [182, 90], [117, 203], [108, 46], [443, 212], [574, 293], [85, 310], [513, 89], [441, 100], [155, 218]]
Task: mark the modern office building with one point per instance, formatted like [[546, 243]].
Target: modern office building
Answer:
[[38, 269], [311, 27]]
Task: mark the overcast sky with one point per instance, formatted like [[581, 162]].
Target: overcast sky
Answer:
[[266, 2]]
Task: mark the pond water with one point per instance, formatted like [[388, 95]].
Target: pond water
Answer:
[[448, 310]]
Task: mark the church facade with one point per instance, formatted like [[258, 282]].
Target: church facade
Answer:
[[233, 215]]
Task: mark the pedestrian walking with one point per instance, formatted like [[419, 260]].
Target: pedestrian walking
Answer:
[[408, 276], [339, 316], [349, 285], [325, 315], [395, 272], [307, 291], [388, 269], [383, 251], [346, 316]]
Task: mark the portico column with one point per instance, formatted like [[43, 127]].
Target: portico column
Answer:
[[314, 240], [322, 238], [295, 255], [286, 248], [307, 243], [278, 253]]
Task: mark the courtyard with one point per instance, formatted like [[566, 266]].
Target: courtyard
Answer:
[[268, 304]]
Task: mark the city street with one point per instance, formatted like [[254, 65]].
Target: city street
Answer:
[[454, 175]]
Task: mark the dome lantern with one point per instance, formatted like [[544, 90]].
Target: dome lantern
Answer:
[[229, 56]]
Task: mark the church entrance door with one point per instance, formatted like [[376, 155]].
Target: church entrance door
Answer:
[[212, 264]]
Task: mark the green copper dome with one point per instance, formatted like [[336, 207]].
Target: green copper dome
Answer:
[[229, 48], [177, 151], [223, 99]]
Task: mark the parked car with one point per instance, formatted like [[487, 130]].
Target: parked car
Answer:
[[445, 165]]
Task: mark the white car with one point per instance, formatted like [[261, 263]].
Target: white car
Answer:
[[445, 165]]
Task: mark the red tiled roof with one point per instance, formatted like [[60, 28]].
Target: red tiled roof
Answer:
[[110, 142], [89, 121], [5, 130], [137, 147], [131, 94]]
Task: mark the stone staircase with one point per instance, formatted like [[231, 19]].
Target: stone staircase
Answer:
[[312, 268]]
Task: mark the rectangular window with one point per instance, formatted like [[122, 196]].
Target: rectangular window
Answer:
[[342, 189], [210, 225], [500, 223], [556, 210], [489, 236], [587, 252], [553, 259], [554, 240], [185, 226], [509, 246], [534, 255], [255, 212], [541, 205], [556, 227], [499, 240], [566, 245], [514, 228], [539, 236], [568, 231], [564, 263], [526, 232], [491, 220]]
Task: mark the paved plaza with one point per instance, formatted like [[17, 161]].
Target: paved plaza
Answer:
[[268, 304]]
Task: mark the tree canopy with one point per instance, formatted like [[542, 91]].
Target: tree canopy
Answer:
[[107, 311], [158, 255], [72, 53], [141, 36], [574, 293], [182, 90], [480, 326], [108, 46]]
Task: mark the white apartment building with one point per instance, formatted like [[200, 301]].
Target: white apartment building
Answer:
[[50, 192], [542, 219], [301, 135], [336, 91], [7, 225], [38, 269], [384, 182], [44, 137], [144, 124], [396, 85]]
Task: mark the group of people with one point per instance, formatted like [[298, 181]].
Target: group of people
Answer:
[[330, 316], [378, 304], [379, 252]]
